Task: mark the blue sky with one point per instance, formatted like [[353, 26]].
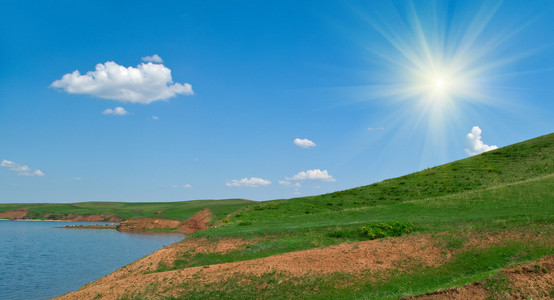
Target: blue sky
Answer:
[[370, 90]]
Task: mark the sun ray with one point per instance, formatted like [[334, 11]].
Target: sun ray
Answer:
[[440, 62]]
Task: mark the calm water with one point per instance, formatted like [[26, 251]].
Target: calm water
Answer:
[[38, 261]]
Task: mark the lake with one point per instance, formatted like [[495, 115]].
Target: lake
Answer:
[[39, 261]]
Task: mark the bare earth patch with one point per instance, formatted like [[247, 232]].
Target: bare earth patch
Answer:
[[13, 214], [197, 222], [533, 280], [377, 255], [139, 224]]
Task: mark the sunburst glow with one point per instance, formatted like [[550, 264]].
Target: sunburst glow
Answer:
[[437, 69]]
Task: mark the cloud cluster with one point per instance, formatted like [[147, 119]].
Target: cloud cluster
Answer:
[[118, 111], [154, 58], [22, 170], [249, 182], [474, 144], [304, 143], [315, 174], [144, 84]]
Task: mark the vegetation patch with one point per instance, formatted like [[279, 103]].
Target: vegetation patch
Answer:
[[374, 231]]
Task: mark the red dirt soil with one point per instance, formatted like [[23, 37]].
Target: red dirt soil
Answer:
[[378, 255], [140, 224], [13, 214], [197, 222], [532, 280], [92, 218]]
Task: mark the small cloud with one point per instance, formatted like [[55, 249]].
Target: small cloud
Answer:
[[304, 143], [315, 174], [474, 144], [155, 118], [118, 111], [77, 178], [288, 183], [249, 182], [21, 170], [154, 58], [38, 173], [375, 128], [185, 186], [144, 84]]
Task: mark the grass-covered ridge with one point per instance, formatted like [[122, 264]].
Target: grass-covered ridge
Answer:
[[126, 210], [480, 214], [506, 190]]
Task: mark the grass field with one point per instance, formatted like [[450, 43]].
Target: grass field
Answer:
[[125, 210], [506, 190], [506, 193]]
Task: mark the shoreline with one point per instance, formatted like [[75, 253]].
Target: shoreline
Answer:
[[36, 220]]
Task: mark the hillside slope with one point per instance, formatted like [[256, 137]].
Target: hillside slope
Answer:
[[472, 218]]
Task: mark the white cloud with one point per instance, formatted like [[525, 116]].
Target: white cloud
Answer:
[[38, 173], [144, 84], [22, 170], [77, 178], [118, 111], [288, 183], [249, 182], [154, 58], [315, 174], [155, 118], [185, 186], [375, 128], [304, 143], [474, 144]]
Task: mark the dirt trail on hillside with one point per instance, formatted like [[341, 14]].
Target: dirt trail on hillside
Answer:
[[534, 280], [377, 255]]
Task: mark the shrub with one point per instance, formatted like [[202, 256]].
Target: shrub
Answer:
[[225, 221], [374, 231], [381, 230], [245, 223]]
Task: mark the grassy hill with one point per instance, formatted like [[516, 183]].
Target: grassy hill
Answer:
[[125, 210], [503, 193], [477, 215]]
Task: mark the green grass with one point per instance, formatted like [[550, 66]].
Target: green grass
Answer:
[[465, 267], [511, 188], [125, 210], [508, 189]]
